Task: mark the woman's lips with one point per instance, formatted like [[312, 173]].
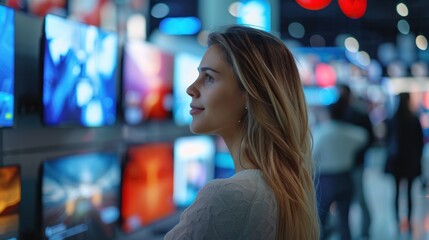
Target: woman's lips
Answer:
[[196, 110]]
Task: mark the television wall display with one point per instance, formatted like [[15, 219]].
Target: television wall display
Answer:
[[322, 67], [223, 162], [147, 185], [10, 198], [79, 74], [80, 196], [193, 166], [147, 82], [7, 66], [185, 73]]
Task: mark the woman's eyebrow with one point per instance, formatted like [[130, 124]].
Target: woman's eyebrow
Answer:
[[204, 69]]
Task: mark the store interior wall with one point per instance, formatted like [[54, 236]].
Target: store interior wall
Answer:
[[29, 142]]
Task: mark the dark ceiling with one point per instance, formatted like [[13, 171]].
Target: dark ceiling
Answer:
[[378, 25]]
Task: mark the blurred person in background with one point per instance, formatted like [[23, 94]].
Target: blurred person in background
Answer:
[[404, 152], [335, 143], [357, 113]]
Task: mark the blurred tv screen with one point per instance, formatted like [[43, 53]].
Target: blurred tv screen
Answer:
[[223, 162], [80, 196], [10, 198], [322, 67], [193, 166], [147, 82], [185, 73], [79, 74], [7, 66], [147, 185]]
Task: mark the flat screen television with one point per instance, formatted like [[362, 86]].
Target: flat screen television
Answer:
[[80, 196], [185, 73], [322, 67], [147, 82], [10, 198], [7, 66], [147, 185], [193, 167], [79, 74], [223, 162]]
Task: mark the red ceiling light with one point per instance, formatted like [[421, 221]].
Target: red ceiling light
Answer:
[[353, 8], [313, 4]]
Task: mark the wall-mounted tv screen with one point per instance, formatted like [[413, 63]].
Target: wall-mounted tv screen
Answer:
[[223, 162], [185, 73], [10, 198], [193, 166], [79, 74], [80, 196], [7, 66], [147, 185], [322, 67], [147, 82]]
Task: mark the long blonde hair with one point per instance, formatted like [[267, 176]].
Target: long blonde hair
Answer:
[[276, 133]]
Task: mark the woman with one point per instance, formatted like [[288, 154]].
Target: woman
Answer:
[[249, 92]]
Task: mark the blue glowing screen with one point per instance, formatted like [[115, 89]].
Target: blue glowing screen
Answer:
[[79, 74], [7, 66], [193, 167], [80, 196], [185, 73]]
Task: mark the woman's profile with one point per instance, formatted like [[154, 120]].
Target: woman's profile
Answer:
[[249, 93]]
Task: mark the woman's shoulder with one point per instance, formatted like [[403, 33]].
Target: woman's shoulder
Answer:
[[246, 185]]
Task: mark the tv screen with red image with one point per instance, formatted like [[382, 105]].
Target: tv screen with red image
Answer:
[[147, 82], [10, 198], [80, 196], [147, 185]]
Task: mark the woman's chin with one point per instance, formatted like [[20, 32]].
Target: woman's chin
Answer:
[[197, 129]]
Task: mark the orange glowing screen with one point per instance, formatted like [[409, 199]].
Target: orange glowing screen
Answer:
[[147, 185], [10, 197]]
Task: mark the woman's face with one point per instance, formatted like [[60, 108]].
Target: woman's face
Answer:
[[217, 101]]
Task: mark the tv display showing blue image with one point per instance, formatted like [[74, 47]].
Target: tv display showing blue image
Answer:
[[193, 167], [80, 196], [223, 162], [185, 73], [79, 74], [224, 165], [7, 66]]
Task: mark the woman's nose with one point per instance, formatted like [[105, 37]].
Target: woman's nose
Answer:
[[192, 90]]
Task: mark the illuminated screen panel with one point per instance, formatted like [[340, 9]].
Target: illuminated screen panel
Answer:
[[79, 80], [80, 196], [89, 12], [41, 8], [322, 67], [193, 167], [224, 165], [147, 185], [10, 198], [7, 66], [185, 73], [223, 162], [147, 82]]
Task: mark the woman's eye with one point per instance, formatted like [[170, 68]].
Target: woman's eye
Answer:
[[208, 78]]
